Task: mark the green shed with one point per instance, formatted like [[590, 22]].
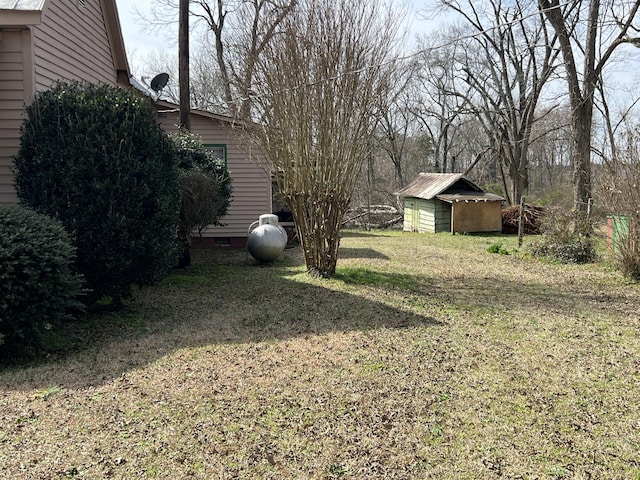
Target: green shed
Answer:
[[449, 202]]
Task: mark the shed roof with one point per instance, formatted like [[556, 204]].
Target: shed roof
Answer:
[[428, 185]]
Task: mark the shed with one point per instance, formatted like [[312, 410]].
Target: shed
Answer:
[[449, 202]]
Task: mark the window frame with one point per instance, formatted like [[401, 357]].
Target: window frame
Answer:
[[211, 146]]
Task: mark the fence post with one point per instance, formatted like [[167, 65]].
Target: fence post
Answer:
[[521, 222]]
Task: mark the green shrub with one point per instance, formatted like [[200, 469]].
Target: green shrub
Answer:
[[95, 157], [566, 238], [39, 285], [627, 249], [498, 248], [205, 190]]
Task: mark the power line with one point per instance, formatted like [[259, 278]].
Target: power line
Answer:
[[423, 51]]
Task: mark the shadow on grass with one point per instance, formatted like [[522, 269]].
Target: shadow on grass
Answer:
[[233, 301], [224, 299], [362, 253], [367, 276], [359, 234]]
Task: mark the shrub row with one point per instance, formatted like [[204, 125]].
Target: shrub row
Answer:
[[102, 187], [39, 285], [95, 158]]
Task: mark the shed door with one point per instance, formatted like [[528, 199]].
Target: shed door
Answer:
[[411, 216]]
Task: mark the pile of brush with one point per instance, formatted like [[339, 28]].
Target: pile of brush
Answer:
[[531, 219]]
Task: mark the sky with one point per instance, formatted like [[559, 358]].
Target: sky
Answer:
[[140, 41]]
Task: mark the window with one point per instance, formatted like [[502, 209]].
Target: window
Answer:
[[219, 152]]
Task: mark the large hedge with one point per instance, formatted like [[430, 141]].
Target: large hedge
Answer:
[[95, 157], [39, 285]]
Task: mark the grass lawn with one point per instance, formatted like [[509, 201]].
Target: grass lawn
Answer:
[[426, 357]]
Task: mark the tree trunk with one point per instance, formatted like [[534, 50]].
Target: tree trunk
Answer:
[[581, 155]]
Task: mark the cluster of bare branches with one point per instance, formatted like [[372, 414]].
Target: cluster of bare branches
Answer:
[[320, 81]]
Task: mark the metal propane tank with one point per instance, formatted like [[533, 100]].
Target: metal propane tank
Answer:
[[267, 241]]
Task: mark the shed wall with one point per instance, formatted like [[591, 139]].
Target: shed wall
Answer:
[[476, 217], [426, 216], [251, 184]]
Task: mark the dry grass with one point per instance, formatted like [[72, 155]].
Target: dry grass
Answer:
[[427, 357]]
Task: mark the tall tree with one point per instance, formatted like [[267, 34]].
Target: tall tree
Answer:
[[589, 31], [235, 34], [318, 87], [238, 47], [509, 58], [440, 99]]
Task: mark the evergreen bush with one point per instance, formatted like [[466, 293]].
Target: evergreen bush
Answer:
[[205, 189], [95, 157], [39, 284]]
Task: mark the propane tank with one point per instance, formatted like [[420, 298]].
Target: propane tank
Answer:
[[266, 242]]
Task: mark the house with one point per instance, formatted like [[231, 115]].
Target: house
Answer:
[[449, 202], [251, 184], [42, 41]]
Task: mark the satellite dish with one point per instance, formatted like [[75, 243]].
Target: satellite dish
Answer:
[[159, 82]]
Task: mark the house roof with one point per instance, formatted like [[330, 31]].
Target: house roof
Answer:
[[170, 107], [21, 4]]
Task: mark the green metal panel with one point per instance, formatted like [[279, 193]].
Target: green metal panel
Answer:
[[442, 216], [426, 216]]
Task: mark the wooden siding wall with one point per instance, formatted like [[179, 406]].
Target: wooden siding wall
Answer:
[[251, 185], [14, 81], [442, 214], [426, 216], [72, 43], [477, 217]]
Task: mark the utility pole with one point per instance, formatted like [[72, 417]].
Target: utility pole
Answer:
[[183, 65]]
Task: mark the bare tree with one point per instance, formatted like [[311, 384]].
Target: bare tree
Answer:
[[440, 100], [239, 48], [235, 33], [393, 131], [509, 58], [588, 31], [206, 86], [318, 86]]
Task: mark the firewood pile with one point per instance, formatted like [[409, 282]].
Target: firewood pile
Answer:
[[375, 216], [531, 219]]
